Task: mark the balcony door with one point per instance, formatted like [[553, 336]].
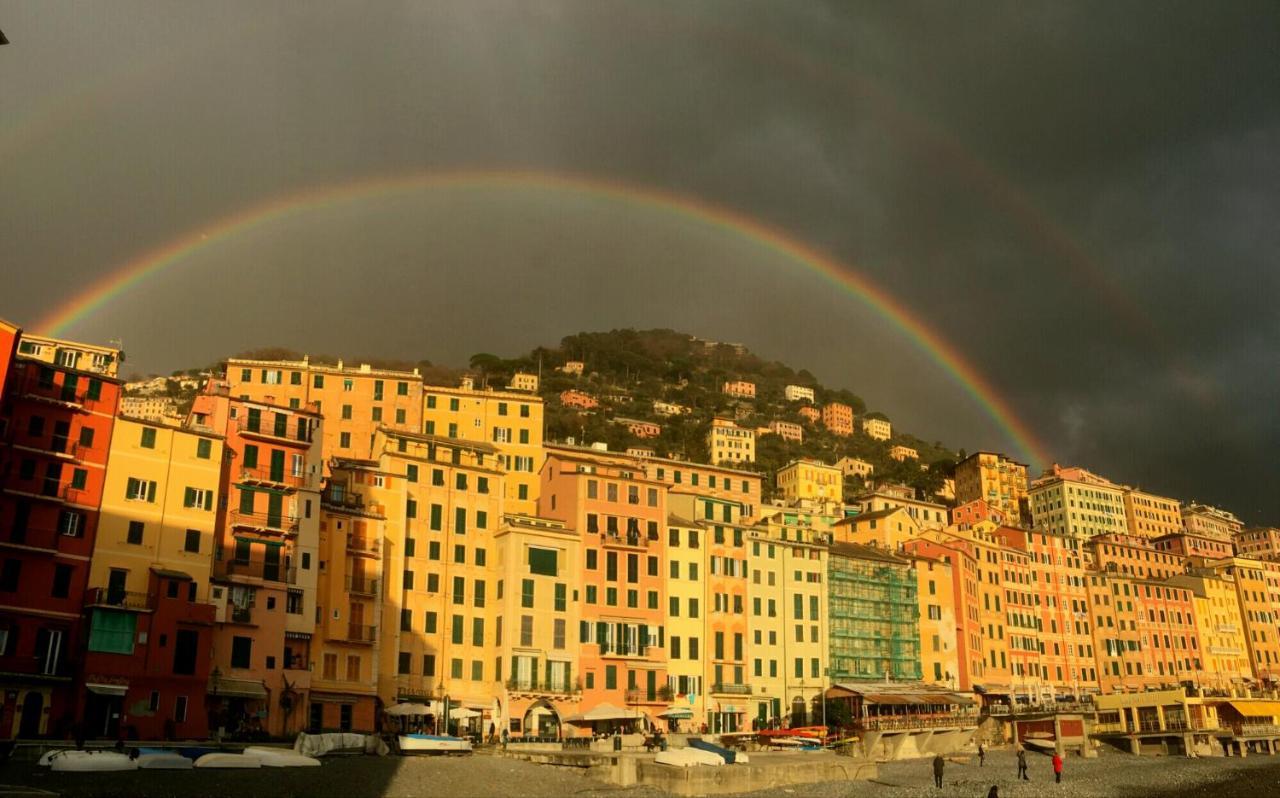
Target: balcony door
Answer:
[[275, 505], [271, 564], [116, 581], [277, 465], [49, 650], [61, 432]]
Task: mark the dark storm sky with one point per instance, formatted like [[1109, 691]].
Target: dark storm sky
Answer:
[[1083, 197]]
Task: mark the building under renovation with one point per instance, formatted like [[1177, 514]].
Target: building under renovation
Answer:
[[874, 618]]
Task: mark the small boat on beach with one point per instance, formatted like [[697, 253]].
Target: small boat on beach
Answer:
[[724, 753], [228, 761], [433, 744], [73, 761], [688, 757], [162, 759], [281, 757]]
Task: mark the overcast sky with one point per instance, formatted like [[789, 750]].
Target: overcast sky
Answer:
[[1082, 197]]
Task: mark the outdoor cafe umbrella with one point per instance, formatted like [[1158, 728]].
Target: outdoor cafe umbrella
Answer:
[[409, 708]]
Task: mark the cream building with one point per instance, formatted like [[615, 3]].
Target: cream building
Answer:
[[730, 443], [521, 381], [1210, 522], [901, 453], [1076, 502], [855, 467], [878, 428], [798, 393], [1150, 516]]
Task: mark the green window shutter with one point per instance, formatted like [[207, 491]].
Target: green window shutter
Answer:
[[95, 389], [208, 500], [151, 491], [131, 489], [204, 448], [277, 465], [250, 456], [246, 500], [189, 498]]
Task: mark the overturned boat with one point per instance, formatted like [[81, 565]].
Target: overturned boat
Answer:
[[433, 744]]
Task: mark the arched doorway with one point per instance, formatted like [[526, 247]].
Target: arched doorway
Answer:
[[32, 708], [541, 720], [799, 715]]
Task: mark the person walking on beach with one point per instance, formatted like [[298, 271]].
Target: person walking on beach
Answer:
[[938, 764], [994, 792], [1022, 765], [982, 756], [1057, 767]]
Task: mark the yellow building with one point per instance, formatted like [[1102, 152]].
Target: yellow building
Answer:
[[1257, 612], [855, 467], [170, 524], [354, 401], [1223, 652], [887, 529], [928, 515], [523, 382], [901, 453], [510, 422], [1076, 502], [686, 610], [344, 677], [537, 625], [877, 428], [810, 480], [1150, 516], [787, 619], [730, 443], [935, 588], [443, 501], [994, 478]]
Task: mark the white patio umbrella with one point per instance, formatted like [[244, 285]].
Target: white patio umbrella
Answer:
[[409, 708]]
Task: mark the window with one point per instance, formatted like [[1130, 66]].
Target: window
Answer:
[[198, 498], [526, 592], [192, 543], [204, 448], [558, 633], [428, 664], [61, 581], [134, 537], [140, 490], [457, 629], [460, 521], [241, 651], [543, 561], [344, 440], [561, 598]]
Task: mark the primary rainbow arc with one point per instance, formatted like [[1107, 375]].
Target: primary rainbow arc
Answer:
[[121, 280]]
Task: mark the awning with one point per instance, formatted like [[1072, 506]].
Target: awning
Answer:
[[1256, 709], [605, 712], [886, 698], [960, 698], [107, 689], [677, 713], [237, 688]]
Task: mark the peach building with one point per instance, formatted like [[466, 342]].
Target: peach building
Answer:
[[344, 679], [1144, 631], [1185, 545], [935, 589], [901, 453], [717, 482], [1210, 522], [837, 417], [1022, 623], [620, 514], [739, 389], [354, 400], [972, 644], [639, 428], [265, 561], [877, 428], [540, 625], [810, 414], [1259, 542], [1133, 555], [973, 512], [787, 430], [1151, 516], [578, 399]]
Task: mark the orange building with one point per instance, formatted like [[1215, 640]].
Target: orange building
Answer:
[[810, 414], [960, 554], [1188, 545], [354, 401], [838, 418], [739, 389], [1259, 542], [1151, 516], [578, 399], [974, 512], [59, 408], [1022, 621], [621, 513], [1133, 555], [265, 561]]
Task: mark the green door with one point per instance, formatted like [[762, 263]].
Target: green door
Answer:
[[277, 465], [255, 419], [651, 684], [271, 564], [275, 507]]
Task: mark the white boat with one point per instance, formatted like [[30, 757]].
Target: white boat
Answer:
[[687, 758], [72, 761], [163, 760], [227, 761], [281, 757], [433, 744]]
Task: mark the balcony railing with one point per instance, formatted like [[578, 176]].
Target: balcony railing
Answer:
[[242, 615], [72, 495], [635, 541], [358, 633], [266, 429], [362, 586], [287, 524], [920, 722], [34, 389], [117, 598], [544, 686], [270, 476], [342, 499], [33, 537], [643, 697], [256, 569], [364, 545], [730, 688]]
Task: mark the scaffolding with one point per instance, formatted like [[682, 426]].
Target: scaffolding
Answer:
[[873, 615]]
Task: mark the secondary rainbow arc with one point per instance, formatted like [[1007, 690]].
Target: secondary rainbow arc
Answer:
[[119, 281]]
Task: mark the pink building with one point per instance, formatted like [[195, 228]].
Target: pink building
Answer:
[[578, 399]]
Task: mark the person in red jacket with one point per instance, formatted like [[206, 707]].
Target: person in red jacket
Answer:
[[1057, 767]]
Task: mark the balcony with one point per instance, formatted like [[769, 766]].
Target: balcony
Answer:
[[542, 687], [117, 598], [729, 688], [33, 388], [256, 570], [362, 586], [359, 633], [342, 499], [908, 723], [627, 541], [268, 431], [364, 546], [645, 697], [32, 538], [271, 478], [240, 615], [265, 522], [72, 495]]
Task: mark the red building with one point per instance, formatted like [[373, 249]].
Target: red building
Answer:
[[59, 408]]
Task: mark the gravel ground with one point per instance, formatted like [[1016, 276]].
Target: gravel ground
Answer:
[[1110, 775]]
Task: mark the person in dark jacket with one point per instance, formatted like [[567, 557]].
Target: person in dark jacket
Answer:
[[982, 756], [938, 764], [994, 792], [1022, 765]]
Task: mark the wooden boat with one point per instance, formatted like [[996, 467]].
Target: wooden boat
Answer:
[[724, 753], [688, 757], [90, 761], [228, 761], [433, 744], [163, 760], [281, 757]]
